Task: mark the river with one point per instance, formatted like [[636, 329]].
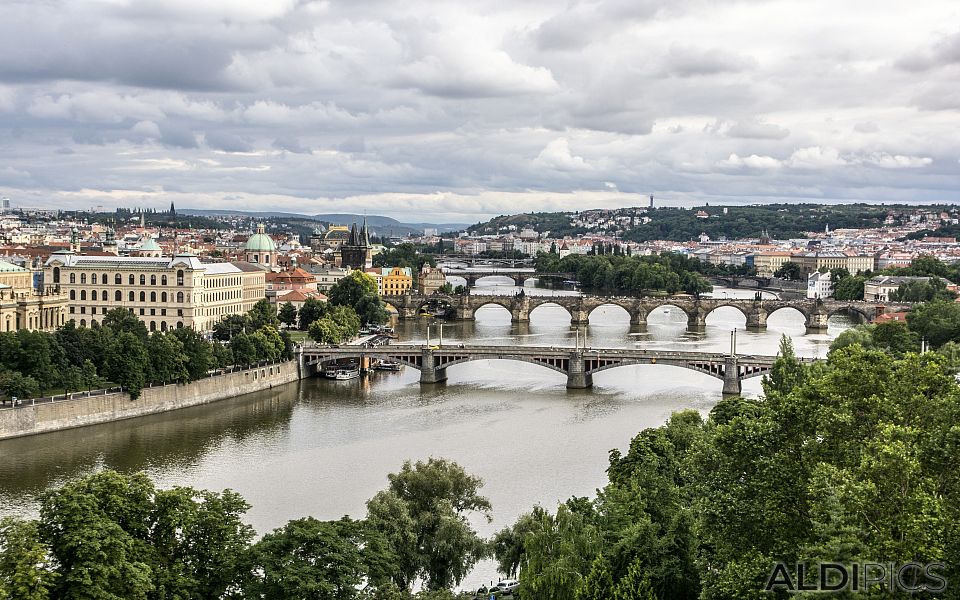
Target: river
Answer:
[[323, 447]]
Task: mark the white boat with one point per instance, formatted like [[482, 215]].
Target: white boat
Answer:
[[345, 373], [330, 372], [388, 365]]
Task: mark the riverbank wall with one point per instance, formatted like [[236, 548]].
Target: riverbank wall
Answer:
[[31, 419]]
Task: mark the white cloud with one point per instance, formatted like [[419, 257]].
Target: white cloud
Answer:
[[556, 155], [816, 157], [751, 162]]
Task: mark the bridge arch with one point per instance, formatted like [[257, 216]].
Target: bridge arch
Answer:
[[548, 303], [504, 303], [320, 361], [789, 307], [851, 310], [720, 305], [653, 308], [619, 307], [559, 367], [513, 279]]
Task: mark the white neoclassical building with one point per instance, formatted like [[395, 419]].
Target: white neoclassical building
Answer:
[[165, 292]]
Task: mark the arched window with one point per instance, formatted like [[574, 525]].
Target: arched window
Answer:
[[179, 324], [180, 297], [117, 279], [117, 296], [163, 326], [163, 280], [153, 325], [153, 296], [83, 294], [131, 298], [143, 296], [163, 296], [104, 295], [180, 277], [73, 294], [83, 277], [73, 277], [56, 274], [153, 280], [83, 322], [143, 280], [130, 279]]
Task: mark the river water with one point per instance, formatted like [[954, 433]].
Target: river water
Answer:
[[322, 447]]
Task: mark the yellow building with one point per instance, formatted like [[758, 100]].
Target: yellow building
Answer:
[[767, 263], [24, 307], [392, 281], [166, 293]]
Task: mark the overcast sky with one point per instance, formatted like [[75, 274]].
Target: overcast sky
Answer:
[[456, 111]]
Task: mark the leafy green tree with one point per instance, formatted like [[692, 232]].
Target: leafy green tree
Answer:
[[507, 544], [598, 585], [231, 325], [350, 289], [896, 337], [789, 270], [243, 349], [922, 291], [787, 372], [16, 385], [311, 310], [862, 335], [114, 536], [849, 288], [91, 379], [24, 569], [558, 555], [313, 559], [168, 361], [837, 274], [287, 314], [263, 314], [126, 362], [198, 350], [938, 322], [370, 309], [121, 320], [40, 358], [423, 515]]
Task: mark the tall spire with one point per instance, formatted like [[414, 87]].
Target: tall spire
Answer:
[[366, 233]]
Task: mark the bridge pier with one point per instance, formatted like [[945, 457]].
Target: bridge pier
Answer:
[[577, 376], [697, 320], [579, 316], [464, 313], [731, 377], [638, 319], [429, 373], [520, 314], [817, 322], [757, 320]]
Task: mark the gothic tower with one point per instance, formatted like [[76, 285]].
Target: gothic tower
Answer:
[[356, 252]]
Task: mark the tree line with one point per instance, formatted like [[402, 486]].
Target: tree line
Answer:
[[850, 460], [632, 275], [352, 302], [121, 351], [111, 536]]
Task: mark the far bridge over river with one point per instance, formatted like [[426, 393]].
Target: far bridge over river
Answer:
[[579, 365], [816, 313]]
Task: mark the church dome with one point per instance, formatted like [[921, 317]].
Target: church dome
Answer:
[[148, 244], [260, 242]]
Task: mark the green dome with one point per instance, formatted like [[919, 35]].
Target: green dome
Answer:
[[260, 242], [148, 244]]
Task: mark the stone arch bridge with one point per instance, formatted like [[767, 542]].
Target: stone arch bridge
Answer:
[[518, 276], [816, 313], [579, 365]]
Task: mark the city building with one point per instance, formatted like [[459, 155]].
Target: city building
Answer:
[[879, 288], [392, 281], [356, 252], [260, 248], [430, 279], [22, 306], [166, 293], [767, 263], [819, 285]]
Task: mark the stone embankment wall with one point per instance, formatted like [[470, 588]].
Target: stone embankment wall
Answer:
[[65, 414]]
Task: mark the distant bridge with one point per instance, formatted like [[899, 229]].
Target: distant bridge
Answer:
[[816, 313], [579, 365], [518, 276]]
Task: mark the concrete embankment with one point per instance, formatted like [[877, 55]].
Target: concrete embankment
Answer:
[[66, 414]]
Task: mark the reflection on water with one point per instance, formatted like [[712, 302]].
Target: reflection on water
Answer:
[[323, 447]]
